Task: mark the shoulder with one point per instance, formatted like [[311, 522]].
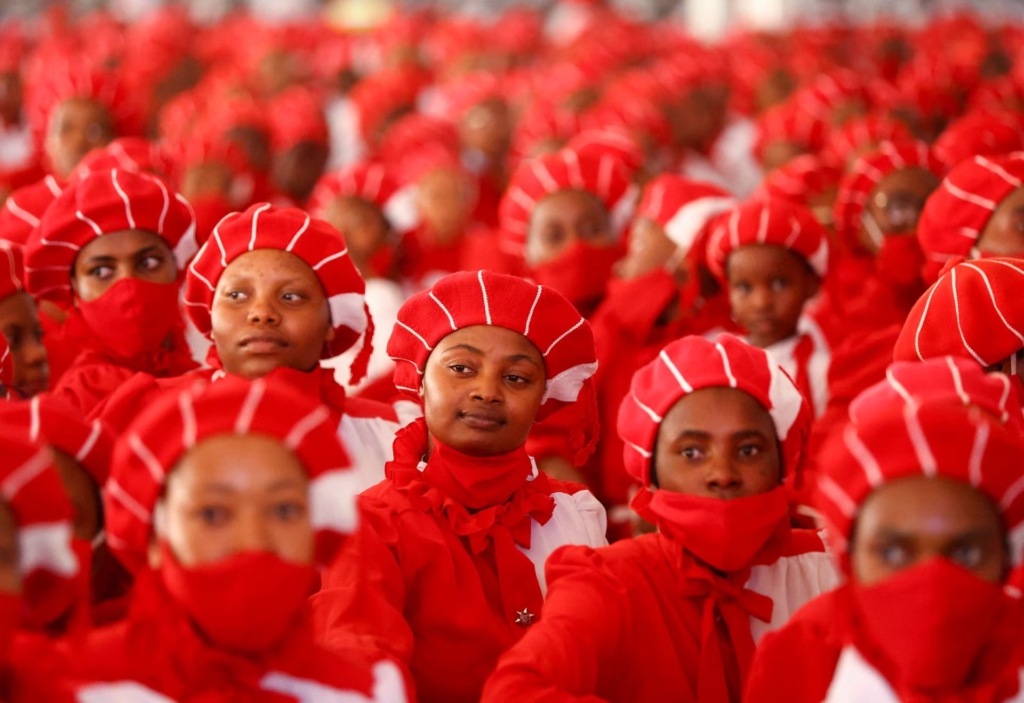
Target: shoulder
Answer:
[[615, 560]]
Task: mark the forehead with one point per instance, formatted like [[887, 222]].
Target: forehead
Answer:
[[914, 180], [124, 243], [270, 264], [927, 507], [718, 411], [568, 204], [83, 108], [491, 341], [248, 460], [764, 260], [352, 206]]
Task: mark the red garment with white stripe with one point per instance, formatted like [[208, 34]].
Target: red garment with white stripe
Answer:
[[415, 587], [623, 623]]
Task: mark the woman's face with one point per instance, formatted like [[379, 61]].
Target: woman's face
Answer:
[[718, 443], [482, 389], [364, 228], [130, 253], [564, 218], [77, 126], [233, 494], [269, 310], [911, 520]]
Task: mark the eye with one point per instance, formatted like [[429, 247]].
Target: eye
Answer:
[[750, 450], [692, 453], [742, 287], [969, 556], [103, 273], [293, 297], [14, 338], [289, 511], [895, 556], [234, 295], [459, 368], [779, 284], [214, 515], [516, 378], [553, 236], [151, 263]]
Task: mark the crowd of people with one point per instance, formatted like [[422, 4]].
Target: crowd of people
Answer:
[[552, 358]]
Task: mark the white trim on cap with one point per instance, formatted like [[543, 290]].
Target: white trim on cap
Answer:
[[819, 259], [348, 310], [21, 213], [47, 547], [785, 400], [119, 692], [565, 387], [688, 221], [332, 501]]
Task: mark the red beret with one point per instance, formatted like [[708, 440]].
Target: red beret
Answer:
[[371, 181], [800, 179], [296, 115], [979, 134], [857, 134], [12, 270], [682, 207], [24, 208]]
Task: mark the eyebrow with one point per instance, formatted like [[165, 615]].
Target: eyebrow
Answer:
[[522, 357], [693, 434], [283, 484]]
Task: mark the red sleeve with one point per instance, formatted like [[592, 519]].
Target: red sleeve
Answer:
[[620, 318], [360, 606], [122, 406], [560, 658], [795, 664]]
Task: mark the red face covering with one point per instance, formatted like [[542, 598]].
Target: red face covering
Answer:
[[725, 534], [930, 622], [134, 317], [580, 273], [245, 603], [900, 260]]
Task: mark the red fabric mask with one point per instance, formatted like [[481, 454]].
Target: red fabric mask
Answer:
[[245, 603], [134, 317], [580, 273], [900, 260], [931, 623], [725, 534], [477, 482]]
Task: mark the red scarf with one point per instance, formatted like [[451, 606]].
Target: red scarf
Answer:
[[487, 501], [725, 600]]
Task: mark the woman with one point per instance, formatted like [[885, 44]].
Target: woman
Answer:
[[276, 292], [921, 498], [225, 500], [112, 247], [716, 432], [20, 325], [449, 567]]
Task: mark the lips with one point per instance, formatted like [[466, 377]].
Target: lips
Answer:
[[263, 343], [484, 420]]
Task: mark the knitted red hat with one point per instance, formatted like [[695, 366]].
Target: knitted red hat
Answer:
[[868, 171], [769, 222], [102, 203], [45, 420], [800, 179], [602, 175], [126, 154], [540, 314], [943, 379], [956, 214], [683, 208], [264, 226], [786, 123], [693, 363], [168, 430], [973, 311], [618, 143], [933, 439], [31, 487], [853, 137]]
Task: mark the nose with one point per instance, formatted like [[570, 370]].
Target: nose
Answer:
[[722, 480], [34, 353], [263, 311], [761, 298], [488, 388], [251, 533]]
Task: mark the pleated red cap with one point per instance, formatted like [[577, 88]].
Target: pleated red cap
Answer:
[[683, 207], [24, 209], [6, 364], [373, 182], [12, 269]]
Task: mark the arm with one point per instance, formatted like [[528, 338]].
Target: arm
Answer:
[[360, 606], [562, 656]]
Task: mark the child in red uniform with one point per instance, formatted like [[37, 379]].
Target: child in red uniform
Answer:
[[774, 255], [276, 292], [716, 432], [225, 500], [922, 501], [449, 568], [113, 245]]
